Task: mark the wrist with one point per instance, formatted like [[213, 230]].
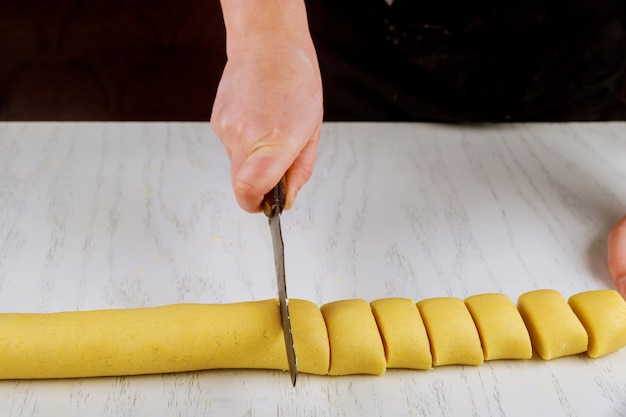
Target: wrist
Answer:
[[258, 23]]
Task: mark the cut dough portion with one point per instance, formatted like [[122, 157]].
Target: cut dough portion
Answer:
[[165, 339], [310, 337], [355, 343], [403, 333], [554, 329], [603, 314], [503, 334], [453, 336]]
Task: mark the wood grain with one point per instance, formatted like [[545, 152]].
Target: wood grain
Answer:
[[119, 215]]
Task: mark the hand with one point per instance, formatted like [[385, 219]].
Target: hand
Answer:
[[617, 255], [268, 113]]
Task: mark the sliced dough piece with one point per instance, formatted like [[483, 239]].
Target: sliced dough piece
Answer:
[[403, 333], [174, 338], [503, 334], [554, 329], [453, 336], [310, 337], [355, 343], [603, 314]]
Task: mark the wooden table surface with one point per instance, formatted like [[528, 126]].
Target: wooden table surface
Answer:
[[121, 215]]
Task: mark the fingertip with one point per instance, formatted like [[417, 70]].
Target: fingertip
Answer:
[[621, 223], [296, 178], [617, 255], [246, 199], [621, 286], [302, 169], [290, 198], [253, 178]]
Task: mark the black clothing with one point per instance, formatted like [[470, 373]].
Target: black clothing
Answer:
[[460, 60], [444, 60]]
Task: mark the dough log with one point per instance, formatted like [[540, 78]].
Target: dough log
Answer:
[[342, 337], [165, 339]]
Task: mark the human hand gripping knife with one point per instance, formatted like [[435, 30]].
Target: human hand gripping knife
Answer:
[[273, 205]]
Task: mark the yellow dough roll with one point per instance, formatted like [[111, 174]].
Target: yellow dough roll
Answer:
[[554, 329], [502, 332], [165, 339], [343, 337], [453, 336], [355, 343], [403, 333], [603, 314]]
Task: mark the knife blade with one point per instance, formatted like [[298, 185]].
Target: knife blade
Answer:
[[273, 205]]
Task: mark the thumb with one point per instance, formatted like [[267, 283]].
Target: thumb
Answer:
[[255, 175], [617, 255]]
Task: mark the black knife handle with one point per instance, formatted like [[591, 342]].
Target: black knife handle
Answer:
[[274, 201]]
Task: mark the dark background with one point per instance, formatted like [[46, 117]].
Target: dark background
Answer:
[[162, 60], [109, 60]]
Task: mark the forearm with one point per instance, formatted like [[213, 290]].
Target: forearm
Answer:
[[269, 106], [249, 20]]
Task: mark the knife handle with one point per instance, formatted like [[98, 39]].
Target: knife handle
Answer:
[[274, 201]]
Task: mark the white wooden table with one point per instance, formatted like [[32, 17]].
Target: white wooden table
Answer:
[[118, 215]]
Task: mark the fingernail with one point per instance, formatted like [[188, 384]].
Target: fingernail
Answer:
[[621, 285]]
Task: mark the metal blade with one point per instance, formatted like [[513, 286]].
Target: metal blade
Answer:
[[279, 259]]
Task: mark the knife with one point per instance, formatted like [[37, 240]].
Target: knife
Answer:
[[273, 205]]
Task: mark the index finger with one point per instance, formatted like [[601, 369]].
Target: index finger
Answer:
[[617, 255]]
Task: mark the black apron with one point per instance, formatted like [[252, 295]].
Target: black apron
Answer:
[[471, 60]]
